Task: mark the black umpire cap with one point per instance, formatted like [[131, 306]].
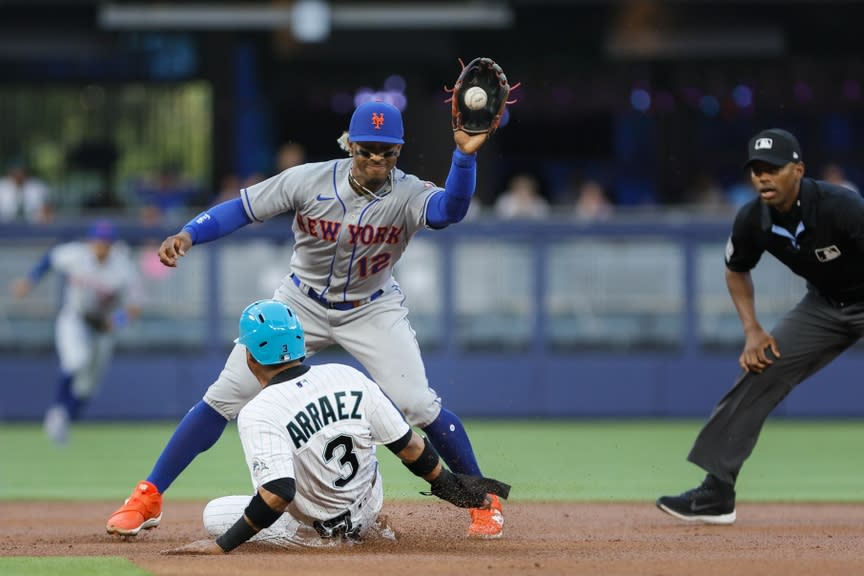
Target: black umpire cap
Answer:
[[774, 146]]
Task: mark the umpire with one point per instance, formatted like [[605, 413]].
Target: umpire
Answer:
[[817, 230]]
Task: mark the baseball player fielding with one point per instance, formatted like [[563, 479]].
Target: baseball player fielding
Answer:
[[353, 219]]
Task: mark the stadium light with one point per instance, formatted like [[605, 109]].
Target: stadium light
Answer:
[[312, 13]]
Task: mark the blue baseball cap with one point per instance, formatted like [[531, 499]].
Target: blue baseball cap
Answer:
[[376, 122], [102, 230]]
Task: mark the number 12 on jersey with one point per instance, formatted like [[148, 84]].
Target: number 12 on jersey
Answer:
[[368, 265]]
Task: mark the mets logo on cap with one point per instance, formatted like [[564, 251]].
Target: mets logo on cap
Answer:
[[376, 121]]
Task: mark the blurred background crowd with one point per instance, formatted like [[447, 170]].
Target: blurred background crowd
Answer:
[[151, 111], [618, 172]]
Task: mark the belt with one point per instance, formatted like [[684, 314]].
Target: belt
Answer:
[[850, 300], [346, 305], [343, 525]]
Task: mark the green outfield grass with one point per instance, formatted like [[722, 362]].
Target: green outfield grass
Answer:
[[543, 460], [69, 566]]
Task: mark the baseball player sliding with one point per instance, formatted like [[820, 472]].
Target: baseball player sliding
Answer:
[[353, 219], [309, 439]]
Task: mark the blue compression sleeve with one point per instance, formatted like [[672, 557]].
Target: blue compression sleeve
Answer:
[[40, 268], [448, 436], [197, 432], [451, 205], [218, 221]]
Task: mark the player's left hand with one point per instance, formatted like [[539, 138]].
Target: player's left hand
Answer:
[[469, 143], [197, 548]]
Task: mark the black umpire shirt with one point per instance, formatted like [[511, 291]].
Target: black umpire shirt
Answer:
[[821, 239]]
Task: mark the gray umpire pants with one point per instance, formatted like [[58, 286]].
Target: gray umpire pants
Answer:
[[809, 337]]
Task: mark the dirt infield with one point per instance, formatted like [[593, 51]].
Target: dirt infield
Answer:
[[549, 538]]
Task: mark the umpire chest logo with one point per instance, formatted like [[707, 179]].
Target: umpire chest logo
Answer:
[[828, 253]]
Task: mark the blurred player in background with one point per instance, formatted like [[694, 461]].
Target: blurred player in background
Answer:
[[309, 439], [353, 220], [100, 295]]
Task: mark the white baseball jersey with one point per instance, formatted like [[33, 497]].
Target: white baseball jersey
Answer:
[[92, 288], [345, 244], [320, 428]]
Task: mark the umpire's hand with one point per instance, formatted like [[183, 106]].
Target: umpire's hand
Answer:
[[174, 247], [755, 357]]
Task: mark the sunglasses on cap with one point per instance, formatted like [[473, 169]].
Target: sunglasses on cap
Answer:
[[389, 153]]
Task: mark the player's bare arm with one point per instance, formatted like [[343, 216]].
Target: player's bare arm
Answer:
[[754, 357], [461, 490], [264, 509], [174, 247], [412, 452]]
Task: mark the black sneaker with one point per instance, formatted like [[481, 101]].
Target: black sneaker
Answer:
[[712, 502]]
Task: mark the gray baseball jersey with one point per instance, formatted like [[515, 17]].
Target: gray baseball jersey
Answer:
[[320, 428], [346, 245]]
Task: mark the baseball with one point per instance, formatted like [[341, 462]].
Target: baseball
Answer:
[[475, 98]]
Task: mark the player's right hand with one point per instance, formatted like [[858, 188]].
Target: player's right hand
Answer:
[[755, 356], [174, 247]]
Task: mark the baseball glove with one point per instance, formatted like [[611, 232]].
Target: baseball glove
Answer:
[[467, 491], [479, 96], [97, 321]]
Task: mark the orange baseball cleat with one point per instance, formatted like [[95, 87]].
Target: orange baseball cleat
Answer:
[[141, 511], [487, 523]]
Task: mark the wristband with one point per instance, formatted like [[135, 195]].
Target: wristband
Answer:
[[427, 461], [239, 533]]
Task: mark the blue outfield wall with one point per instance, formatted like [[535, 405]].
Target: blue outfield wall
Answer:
[[164, 386], [576, 337]]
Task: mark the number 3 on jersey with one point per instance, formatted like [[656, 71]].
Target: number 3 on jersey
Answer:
[[372, 265], [348, 458]]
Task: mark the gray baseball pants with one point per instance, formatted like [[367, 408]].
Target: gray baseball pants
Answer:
[[809, 337]]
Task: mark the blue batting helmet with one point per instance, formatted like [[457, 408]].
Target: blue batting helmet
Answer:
[[271, 332]]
